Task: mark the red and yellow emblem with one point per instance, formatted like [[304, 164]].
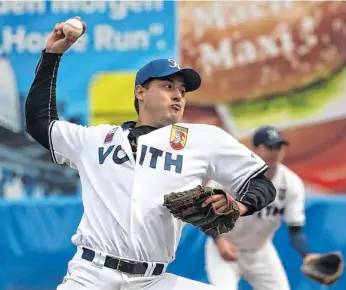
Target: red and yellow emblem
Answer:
[[178, 137]]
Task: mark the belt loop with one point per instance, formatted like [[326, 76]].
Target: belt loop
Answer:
[[102, 259], [150, 269], [95, 261]]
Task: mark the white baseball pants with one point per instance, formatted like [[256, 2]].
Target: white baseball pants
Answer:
[[83, 274], [262, 269]]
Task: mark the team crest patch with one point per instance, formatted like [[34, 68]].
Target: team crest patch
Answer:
[[110, 135], [178, 137]]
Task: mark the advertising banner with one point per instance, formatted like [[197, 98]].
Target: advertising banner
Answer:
[[278, 63]]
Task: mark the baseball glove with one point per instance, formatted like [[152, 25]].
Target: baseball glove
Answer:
[[326, 269], [187, 206]]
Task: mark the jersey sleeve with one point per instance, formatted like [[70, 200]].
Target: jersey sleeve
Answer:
[[66, 141], [295, 208], [232, 164], [214, 184]]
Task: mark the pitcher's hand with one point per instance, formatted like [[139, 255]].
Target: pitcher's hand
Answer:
[[221, 204], [57, 42]]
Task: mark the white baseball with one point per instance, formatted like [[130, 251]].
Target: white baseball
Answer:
[[73, 25]]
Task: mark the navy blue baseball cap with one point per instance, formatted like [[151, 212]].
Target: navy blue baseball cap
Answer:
[[160, 68], [268, 136]]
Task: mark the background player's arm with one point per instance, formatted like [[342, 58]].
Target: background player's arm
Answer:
[[239, 170], [63, 139], [295, 217], [298, 240]]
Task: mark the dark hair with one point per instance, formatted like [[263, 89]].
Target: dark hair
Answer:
[[145, 85]]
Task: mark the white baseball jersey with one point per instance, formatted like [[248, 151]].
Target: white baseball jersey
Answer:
[[123, 196], [251, 232]]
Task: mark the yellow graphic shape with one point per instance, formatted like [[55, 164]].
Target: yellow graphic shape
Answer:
[[112, 98]]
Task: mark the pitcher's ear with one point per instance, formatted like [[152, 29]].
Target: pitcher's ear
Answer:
[[139, 92]]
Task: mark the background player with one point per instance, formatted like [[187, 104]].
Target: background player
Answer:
[[126, 237], [248, 251]]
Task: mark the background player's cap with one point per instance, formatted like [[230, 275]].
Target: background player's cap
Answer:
[[268, 136], [166, 67]]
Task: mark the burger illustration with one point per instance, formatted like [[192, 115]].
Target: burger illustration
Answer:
[[280, 63]]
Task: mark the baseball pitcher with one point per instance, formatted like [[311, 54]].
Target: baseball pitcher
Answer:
[[248, 251], [141, 181]]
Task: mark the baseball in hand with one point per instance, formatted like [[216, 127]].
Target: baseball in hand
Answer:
[[73, 25]]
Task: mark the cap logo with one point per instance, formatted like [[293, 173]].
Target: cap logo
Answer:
[[272, 134], [173, 63]]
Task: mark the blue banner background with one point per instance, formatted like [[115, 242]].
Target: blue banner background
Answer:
[[35, 246], [145, 30]]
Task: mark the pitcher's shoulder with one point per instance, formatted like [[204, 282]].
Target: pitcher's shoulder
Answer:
[[200, 127], [104, 127], [103, 130]]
